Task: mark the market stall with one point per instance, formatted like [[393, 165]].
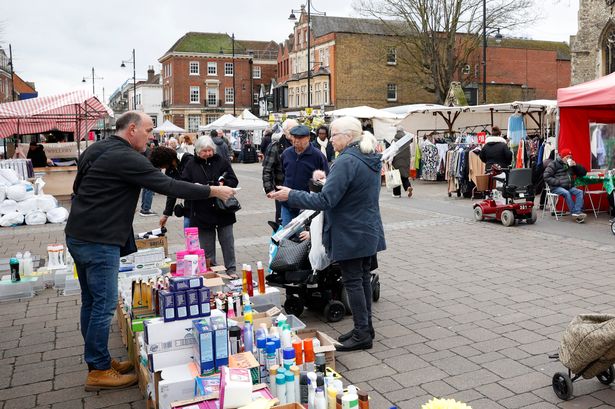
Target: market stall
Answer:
[[219, 123], [168, 127]]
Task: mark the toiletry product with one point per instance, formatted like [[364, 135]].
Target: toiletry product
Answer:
[[14, 266], [296, 375], [273, 373], [290, 387], [308, 354], [320, 401], [234, 334], [311, 390], [298, 346], [271, 355], [261, 277], [249, 282], [244, 279], [248, 338], [363, 400], [261, 344], [192, 238], [281, 388], [338, 400], [289, 357]]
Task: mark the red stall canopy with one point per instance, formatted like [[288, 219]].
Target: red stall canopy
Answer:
[[580, 105], [75, 111]]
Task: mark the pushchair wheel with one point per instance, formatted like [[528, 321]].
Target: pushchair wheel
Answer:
[[607, 377], [334, 311], [294, 306], [376, 291], [562, 385], [613, 227]]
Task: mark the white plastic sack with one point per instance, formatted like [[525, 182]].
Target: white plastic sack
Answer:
[[36, 217], [28, 206], [9, 175], [11, 219], [8, 206], [20, 192], [2, 193], [46, 202], [318, 256], [57, 215]]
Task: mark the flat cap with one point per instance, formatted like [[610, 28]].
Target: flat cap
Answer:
[[300, 131]]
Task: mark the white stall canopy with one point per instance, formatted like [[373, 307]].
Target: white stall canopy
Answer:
[[219, 123]]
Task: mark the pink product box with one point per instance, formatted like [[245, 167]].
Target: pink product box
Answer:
[[192, 238], [202, 261]]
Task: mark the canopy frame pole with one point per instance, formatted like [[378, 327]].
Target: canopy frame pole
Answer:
[[77, 134]]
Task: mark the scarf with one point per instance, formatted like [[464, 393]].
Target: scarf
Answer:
[[323, 145]]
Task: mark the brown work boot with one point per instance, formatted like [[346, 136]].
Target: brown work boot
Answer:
[[108, 379], [122, 367]]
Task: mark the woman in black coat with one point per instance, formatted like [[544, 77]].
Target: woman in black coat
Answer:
[[208, 168]]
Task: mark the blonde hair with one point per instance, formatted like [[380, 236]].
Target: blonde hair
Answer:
[[351, 126]]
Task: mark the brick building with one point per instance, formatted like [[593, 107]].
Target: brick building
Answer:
[[148, 97], [5, 78], [205, 75], [360, 62]]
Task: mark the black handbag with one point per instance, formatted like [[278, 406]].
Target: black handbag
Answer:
[[230, 206], [179, 210], [291, 256]]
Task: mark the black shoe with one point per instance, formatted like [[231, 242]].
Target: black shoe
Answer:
[[349, 334], [356, 342]]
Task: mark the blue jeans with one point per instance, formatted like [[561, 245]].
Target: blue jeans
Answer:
[[97, 267], [575, 206], [356, 276], [186, 222], [288, 214], [146, 200]]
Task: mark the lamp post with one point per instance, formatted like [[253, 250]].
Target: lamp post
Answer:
[[93, 79], [134, 78], [251, 64], [309, 39], [498, 39]]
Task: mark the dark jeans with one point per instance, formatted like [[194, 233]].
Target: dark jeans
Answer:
[[207, 240], [146, 199], [97, 266], [405, 182], [278, 212], [356, 276]]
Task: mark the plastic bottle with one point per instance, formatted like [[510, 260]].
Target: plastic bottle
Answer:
[[350, 402], [248, 338], [319, 400], [19, 257], [261, 277], [338, 400], [249, 282], [27, 261], [321, 363], [312, 377], [298, 346], [286, 338], [244, 279], [273, 373], [234, 335], [297, 375], [231, 312], [308, 354], [290, 387], [247, 314], [289, 357], [261, 344], [363, 400], [280, 381], [331, 395], [14, 266], [271, 357]]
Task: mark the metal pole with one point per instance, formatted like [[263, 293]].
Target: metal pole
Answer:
[[484, 51], [234, 96], [309, 34], [251, 62], [93, 88], [12, 73], [134, 80]]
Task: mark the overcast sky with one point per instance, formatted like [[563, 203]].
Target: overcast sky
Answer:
[[57, 42]]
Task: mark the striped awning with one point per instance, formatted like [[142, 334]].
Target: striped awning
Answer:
[[75, 111]]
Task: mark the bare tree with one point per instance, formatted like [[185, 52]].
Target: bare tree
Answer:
[[440, 36]]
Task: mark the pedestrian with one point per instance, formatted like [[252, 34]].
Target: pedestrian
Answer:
[[147, 196], [265, 141], [207, 167], [99, 230], [222, 148], [323, 143], [559, 176], [401, 162], [187, 145], [273, 172], [299, 163], [353, 233], [496, 151]]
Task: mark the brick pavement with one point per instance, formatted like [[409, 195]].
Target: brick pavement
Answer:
[[468, 310]]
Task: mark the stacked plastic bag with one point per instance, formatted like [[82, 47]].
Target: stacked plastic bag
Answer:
[[19, 204]]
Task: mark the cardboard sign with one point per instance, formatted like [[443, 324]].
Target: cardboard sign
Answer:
[[154, 243]]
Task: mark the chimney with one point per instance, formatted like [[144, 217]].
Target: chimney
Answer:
[[150, 74]]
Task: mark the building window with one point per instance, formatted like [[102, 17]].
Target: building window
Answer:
[[325, 93], [256, 73], [392, 56], [255, 98], [392, 92], [194, 95], [303, 95], [229, 95], [194, 68], [212, 97], [318, 100], [212, 68], [228, 69], [194, 121], [291, 93], [210, 118], [154, 120], [297, 97]]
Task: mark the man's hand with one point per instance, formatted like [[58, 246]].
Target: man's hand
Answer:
[[304, 235], [222, 192], [319, 175], [163, 220], [281, 195]]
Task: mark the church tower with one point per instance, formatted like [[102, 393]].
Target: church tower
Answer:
[[593, 48]]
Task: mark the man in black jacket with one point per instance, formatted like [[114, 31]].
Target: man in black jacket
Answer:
[[559, 176], [99, 230]]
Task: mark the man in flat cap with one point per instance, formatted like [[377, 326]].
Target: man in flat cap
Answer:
[[299, 162]]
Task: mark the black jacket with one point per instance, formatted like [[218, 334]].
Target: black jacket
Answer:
[[559, 174], [203, 213], [329, 149], [176, 173], [221, 147], [401, 161], [497, 152], [273, 172], [109, 179]]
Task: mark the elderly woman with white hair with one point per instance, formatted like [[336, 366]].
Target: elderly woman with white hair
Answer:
[[353, 232], [209, 168]]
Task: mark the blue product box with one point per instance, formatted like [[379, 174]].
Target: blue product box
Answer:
[[192, 302], [184, 283], [181, 305], [221, 349], [204, 295], [166, 300], [204, 346]]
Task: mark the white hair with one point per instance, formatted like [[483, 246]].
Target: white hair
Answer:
[[204, 142], [352, 127], [289, 124]]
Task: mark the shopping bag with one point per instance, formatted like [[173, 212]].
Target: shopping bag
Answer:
[[393, 178], [291, 256], [318, 256]]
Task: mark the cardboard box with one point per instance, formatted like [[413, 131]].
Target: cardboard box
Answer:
[[153, 243], [213, 281], [246, 360], [289, 406], [192, 303], [184, 283], [204, 346], [176, 383], [204, 296], [166, 300], [160, 360], [211, 402], [181, 305], [327, 344], [160, 336]]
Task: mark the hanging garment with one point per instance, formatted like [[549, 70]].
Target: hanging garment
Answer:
[[429, 162], [520, 162], [442, 149], [541, 151], [516, 129]]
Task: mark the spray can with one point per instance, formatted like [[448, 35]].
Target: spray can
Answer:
[[290, 387], [280, 381], [261, 344], [321, 363], [273, 373], [297, 375], [14, 266], [271, 356], [308, 351], [289, 357], [298, 346], [248, 338]]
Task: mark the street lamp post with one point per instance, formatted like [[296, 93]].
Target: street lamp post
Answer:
[[134, 78], [498, 39], [309, 39], [93, 79]]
